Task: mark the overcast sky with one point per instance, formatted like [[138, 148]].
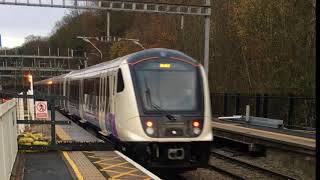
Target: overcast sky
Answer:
[[17, 22]]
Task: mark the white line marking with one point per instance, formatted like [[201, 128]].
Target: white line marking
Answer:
[[138, 166]]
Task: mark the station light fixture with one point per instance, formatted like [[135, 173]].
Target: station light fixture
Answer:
[[30, 78]]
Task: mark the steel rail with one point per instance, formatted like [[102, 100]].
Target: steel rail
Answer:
[[225, 172], [252, 166]]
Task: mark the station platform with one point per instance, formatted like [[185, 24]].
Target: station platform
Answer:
[[296, 141], [88, 165], [97, 165]]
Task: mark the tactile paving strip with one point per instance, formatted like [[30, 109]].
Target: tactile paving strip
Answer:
[[86, 168], [113, 166]]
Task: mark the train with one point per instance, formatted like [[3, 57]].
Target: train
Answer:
[[154, 103]]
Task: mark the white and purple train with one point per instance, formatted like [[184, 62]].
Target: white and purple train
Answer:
[[155, 103]]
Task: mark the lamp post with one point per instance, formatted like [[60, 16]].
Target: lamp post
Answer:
[[88, 41]]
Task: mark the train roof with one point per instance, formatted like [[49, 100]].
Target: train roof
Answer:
[[159, 52], [95, 70], [53, 79]]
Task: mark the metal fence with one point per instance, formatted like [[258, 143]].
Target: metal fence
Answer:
[[8, 138], [296, 112]]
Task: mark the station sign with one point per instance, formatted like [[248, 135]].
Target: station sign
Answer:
[[41, 109]]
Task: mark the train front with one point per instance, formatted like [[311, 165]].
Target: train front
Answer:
[[174, 106]]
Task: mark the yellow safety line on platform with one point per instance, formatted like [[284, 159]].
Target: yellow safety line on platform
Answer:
[[123, 174], [73, 166], [61, 133], [112, 171], [115, 165], [94, 156], [107, 159], [106, 164], [127, 167]]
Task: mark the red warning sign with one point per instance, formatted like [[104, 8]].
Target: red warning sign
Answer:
[[41, 109]]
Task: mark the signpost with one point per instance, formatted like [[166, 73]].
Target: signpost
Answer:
[[41, 109]]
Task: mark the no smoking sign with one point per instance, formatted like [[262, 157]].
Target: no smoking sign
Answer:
[[41, 109]]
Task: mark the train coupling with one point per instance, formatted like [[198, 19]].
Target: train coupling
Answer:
[[176, 153]]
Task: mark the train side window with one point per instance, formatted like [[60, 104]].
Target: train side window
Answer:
[[77, 89], [88, 86], [71, 92], [56, 89], [74, 90], [96, 86], [120, 83]]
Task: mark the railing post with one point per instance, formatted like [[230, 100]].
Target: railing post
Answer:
[[53, 126]]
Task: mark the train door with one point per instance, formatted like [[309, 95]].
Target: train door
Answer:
[[102, 103], [96, 97], [112, 104], [81, 101], [110, 121]]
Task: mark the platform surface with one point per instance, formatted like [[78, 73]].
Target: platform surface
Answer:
[[97, 165], [72, 132], [46, 165], [297, 138]]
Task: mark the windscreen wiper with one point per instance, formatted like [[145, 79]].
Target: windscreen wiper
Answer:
[[156, 107], [169, 116]]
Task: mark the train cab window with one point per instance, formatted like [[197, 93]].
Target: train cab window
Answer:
[[170, 85], [120, 83]]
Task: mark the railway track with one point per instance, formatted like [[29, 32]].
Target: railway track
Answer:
[[239, 169]]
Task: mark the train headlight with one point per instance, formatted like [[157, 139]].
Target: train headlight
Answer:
[[149, 123], [150, 130], [196, 124]]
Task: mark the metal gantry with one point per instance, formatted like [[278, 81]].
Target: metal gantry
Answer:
[[164, 8], [14, 67], [131, 6]]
